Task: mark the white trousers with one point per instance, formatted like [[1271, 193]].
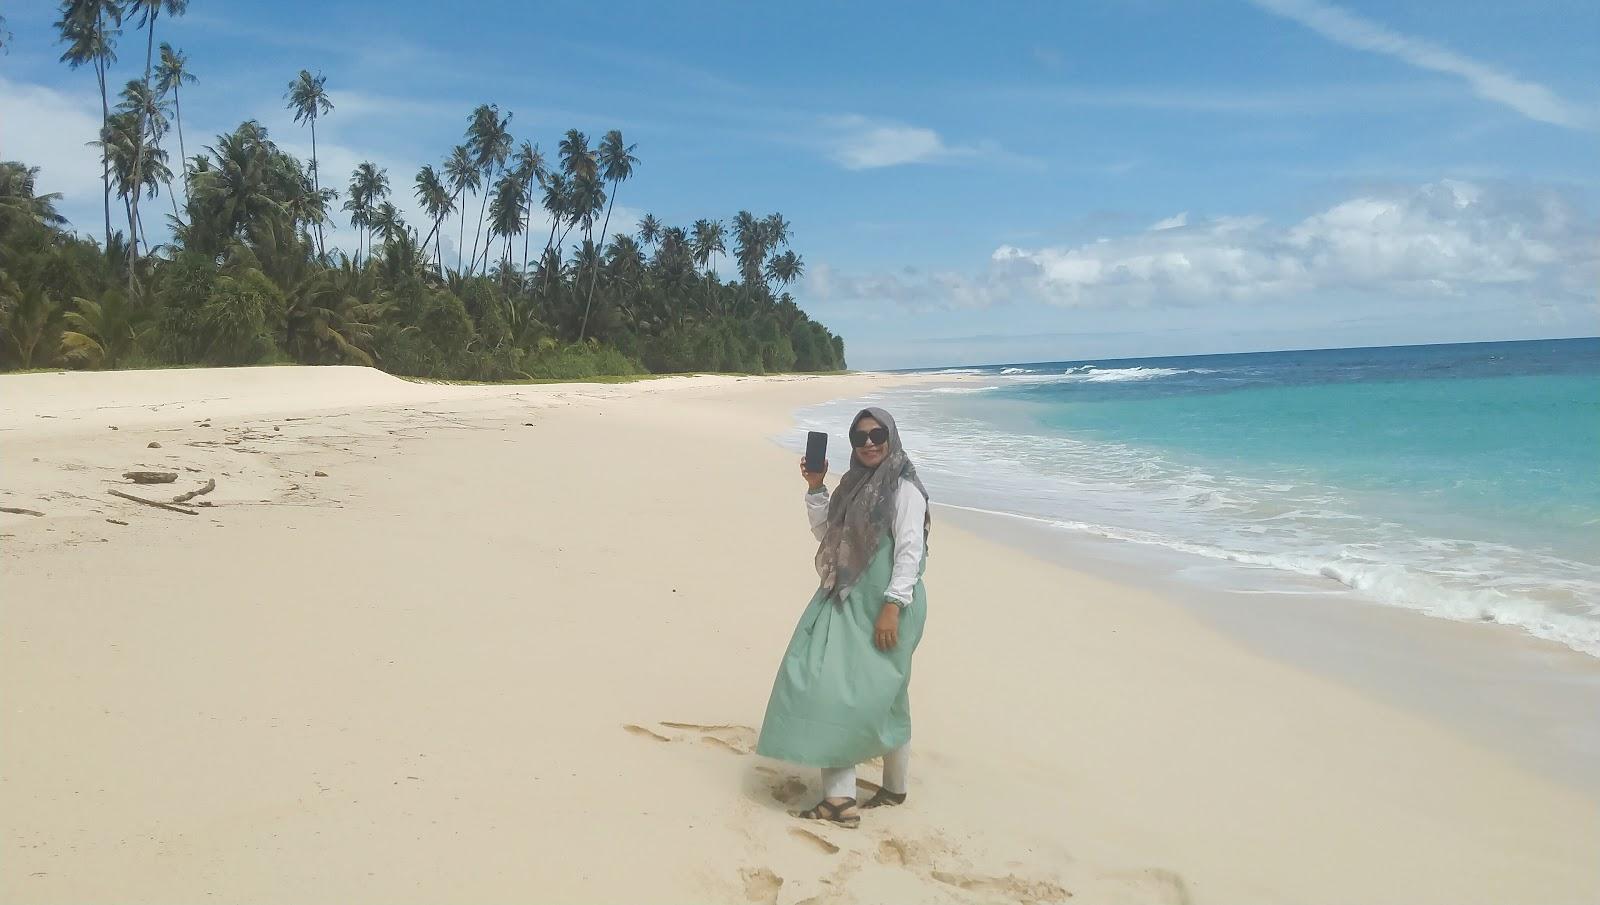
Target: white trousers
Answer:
[[840, 782]]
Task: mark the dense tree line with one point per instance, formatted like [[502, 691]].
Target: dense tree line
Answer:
[[248, 275]]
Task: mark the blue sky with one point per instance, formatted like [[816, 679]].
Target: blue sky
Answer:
[[978, 182]]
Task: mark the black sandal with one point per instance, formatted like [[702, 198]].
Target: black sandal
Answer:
[[884, 799], [832, 813]]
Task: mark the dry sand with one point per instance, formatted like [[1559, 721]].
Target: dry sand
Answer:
[[515, 644]]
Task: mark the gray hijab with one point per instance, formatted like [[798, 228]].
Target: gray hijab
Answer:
[[861, 511]]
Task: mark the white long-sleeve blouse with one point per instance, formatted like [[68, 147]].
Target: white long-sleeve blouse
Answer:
[[910, 520]]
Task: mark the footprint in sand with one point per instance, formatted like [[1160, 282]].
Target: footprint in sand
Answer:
[[788, 789], [640, 730], [824, 845], [911, 852], [785, 788], [1013, 888], [761, 885], [728, 737], [1152, 884]]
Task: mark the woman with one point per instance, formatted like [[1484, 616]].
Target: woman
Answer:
[[841, 693]]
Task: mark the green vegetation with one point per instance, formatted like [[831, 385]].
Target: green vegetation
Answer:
[[248, 276]]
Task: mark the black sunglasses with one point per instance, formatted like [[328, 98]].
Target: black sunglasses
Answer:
[[878, 435]]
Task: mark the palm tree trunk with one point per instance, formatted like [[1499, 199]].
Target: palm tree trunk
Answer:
[[710, 266], [527, 229], [554, 222], [138, 140], [143, 240], [558, 245], [316, 174], [177, 107], [461, 234], [174, 197], [431, 233], [105, 150], [595, 278], [483, 206]]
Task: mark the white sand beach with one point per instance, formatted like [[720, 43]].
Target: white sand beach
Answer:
[[429, 643]]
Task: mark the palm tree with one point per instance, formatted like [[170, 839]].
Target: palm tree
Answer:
[[558, 201], [531, 171], [706, 241], [368, 185], [785, 268], [587, 201], [89, 29], [750, 246], [576, 158], [776, 230], [616, 166], [436, 200], [122, 147], [306, 205], [27, 311], [625, 270], [649, 231], [19, 204], [235, 190], [324, 322], [505, 218], [149, 11], [172, 73], [103, 333], [139, 101], [5, 36], [463, 177], [490, 139], [386, 221], [308, 98]]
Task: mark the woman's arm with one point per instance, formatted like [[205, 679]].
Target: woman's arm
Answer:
[[910, 523], [816, 499], [817, 512]]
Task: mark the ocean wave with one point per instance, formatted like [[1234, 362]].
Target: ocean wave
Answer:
[[1091, 374], [1294, 524], [1392, 584], [954, 371], [1010, 371]]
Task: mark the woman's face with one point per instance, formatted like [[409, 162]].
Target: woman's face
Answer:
[[877, 445]]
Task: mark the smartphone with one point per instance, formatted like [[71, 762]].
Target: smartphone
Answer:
[[816, 451]]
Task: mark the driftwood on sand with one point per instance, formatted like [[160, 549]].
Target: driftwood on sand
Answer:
[[209, 486], [151, 477], [15, 511], [156, 503]]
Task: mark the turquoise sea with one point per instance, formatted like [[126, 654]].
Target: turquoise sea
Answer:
[[1459, 481]]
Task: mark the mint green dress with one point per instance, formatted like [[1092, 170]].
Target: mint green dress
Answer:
[[838, 700]]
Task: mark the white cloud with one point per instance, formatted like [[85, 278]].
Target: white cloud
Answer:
[[909, 288], [862, 144], [1173, 222], [359, 104], [45, 128], [1531, 99], [859, 143], [1441, 240]]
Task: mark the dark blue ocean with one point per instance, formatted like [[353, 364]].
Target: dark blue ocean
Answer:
[[1460, 481]]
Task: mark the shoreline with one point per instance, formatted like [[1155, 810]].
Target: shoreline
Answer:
[[1512, 691], [396, 681], [1525, 696]]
